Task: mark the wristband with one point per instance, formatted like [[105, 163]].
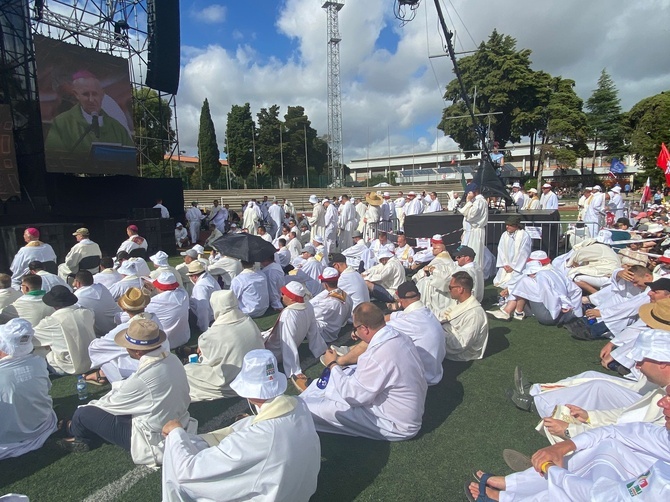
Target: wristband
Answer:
[[545, 466], [330, 364]]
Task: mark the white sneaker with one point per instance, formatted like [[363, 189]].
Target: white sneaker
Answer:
[[519, 316], [499, 314]]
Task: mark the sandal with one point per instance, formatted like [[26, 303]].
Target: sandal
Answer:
[[98, 380], [63, 426], [482, 489]]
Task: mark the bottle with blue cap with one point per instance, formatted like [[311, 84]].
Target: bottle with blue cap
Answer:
[[82, 388]]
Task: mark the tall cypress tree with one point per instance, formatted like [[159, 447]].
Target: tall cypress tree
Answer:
[[208, 150], [240, 130], [604, 116]]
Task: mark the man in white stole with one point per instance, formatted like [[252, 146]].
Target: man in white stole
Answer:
[[475, 218]]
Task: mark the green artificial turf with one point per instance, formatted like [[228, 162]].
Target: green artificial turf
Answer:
[[467, 423]]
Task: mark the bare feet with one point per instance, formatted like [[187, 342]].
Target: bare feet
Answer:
[[493, 486]]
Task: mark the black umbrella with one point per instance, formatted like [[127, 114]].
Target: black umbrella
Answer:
[[245, 247]]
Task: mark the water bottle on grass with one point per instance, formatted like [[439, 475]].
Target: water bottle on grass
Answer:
[[82, 388]]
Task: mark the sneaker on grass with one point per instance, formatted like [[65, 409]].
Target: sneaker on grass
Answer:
[[499, 314]]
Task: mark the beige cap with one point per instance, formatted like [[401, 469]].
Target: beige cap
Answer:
[[81, 231]]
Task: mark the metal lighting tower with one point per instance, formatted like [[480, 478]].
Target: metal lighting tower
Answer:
[[334, 93]]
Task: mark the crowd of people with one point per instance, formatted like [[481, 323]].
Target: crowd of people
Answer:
[[382, 317]]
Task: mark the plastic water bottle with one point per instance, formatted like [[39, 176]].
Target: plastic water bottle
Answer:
[[82, 388]]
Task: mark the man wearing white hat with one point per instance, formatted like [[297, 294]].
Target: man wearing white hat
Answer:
[[133, 413], [616, 204], [413, 205], [28, 418], [383, 396], [275, 454], [475, 218], [203, 287], [251, 291], [180, 235], [295, 323], [97, 299], [321, 250], [386, 214], [518, 196], [433, 279], [332, 306], [350, 281], [221, 349], [584, 200], [84, 248], [347, 222], [317, 221], [381, 242], [548, 200], [130, 278], [385, 277], [330, 220], [594, 213], [532, 201], [161, 265], [170, 304]]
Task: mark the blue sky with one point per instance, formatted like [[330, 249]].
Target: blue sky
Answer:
[[267, 51]]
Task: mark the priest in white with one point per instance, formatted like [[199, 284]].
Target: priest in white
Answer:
[[8, 294], [347, 222], [29, 305], [385, 277], [33, 250], [514, 249], [194, 218], [203, 287], [358, 253], [134, 241], [107, 275], [275, 280], [383, 396], [98, 300], [28, 418], [403, 251], [225, 268], [330, 219], [274, 454], [221, 349], [332, 306], [251, 291], [317, 221], [161, 265], [350, 281], [475, 218], [549, 199], [130, 278], [433, 279], [84, 248], [170, 304]]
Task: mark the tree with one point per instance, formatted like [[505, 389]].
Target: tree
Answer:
[[239, 143], [298, 133], [208, 149], [152, 117], [269, 140], [647, 125], [604, 117]]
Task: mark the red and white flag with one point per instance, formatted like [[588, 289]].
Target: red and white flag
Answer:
[[646, 193], [663, 162]]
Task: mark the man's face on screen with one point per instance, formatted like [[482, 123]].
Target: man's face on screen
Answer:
[[89, 93]]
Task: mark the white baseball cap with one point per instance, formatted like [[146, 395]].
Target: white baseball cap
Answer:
[[259, 377]]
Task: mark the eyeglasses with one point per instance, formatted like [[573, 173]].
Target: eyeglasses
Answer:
[[359, 326]]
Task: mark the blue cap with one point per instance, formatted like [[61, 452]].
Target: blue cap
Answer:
[[471, 187]]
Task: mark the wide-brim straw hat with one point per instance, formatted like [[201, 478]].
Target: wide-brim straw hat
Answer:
[[374, 199], [134, 300], [656, 315], [140, 335]]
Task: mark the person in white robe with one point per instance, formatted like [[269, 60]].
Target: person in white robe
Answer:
[[28, 418], [217, 216], [433, 279], [221, 349], [203, 287], [194, 218], [359, 253], [275, 280], [49, 280], [162, 265], [294, 246], [381, 242], [399, 210], [518, 196], [33, 250], [317, 221], [8, 294], [320, 250], [295, 323], [107, 275], [133, 413], [548, 200], [383, 396], [297, 274], [250, 219], [130, 278], [371, 217], [84, 248], [453, 202], [332, 306], [592, 262], [532, 202], [385, 277], [464, 257], [360, 207], [582, 202], [347, 222], [465, 325], [29, 305], [275, 454], [417, 322], [251, 291], [170, 304], [312, 266], [98, 300], [594, 213], [289, 208], [386, 214], [134, 241], [226, 269], [514, 249], [64, 336], [165, 213], [283, 255], [180, 236], [616, 203], [413, 205], [330, 220], [434, 206], [350, 281], [475, 218], [262, 232], [403, 251], [276, 213]]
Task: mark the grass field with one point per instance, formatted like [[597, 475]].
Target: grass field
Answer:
[[466, 425]]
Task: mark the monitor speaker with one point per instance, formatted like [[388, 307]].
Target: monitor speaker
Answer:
[[164, 45]]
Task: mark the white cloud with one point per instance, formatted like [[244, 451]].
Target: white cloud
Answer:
[[212, 14], [394, 89]]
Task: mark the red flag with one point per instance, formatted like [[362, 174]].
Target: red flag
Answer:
[[663, 162], [646, 193]]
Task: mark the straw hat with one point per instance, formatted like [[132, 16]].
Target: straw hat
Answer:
[[195, 268], [374, 199], [259, 377], [134, 300], [140, 335]]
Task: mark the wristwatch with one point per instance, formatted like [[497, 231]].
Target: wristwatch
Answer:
[[566, 433]]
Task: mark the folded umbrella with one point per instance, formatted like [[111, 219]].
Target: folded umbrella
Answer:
[[245, 247]]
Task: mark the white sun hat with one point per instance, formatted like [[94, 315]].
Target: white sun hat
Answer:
[[313, 199], [128, 267], [16, 337], [652, 344], [604, 237], [295, 291], [532, 267], [259, 377], [384, 253], [160, 259]]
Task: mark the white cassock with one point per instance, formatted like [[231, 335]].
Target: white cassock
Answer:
[[194, 216], [434, 288], [28, 307], [276, 212], [618, 316], [114, 359], [317, 221], [118, 289], [388, 276], [475, 218], [250, 220], [132, 243], [615, 292], [414, 206], [592, 258], [594, 213], [98, 300], [404, 254], [332, 310], [353, 284], [171, 308], [382, 397], [604, 457], [421, 325], [63, 338], [399, 211], [347, 223], [159, 270], [358, 253], [28, 418], [532, 204], [227, 268], [376, 246], [222, 350], [477, 279], [513, 250], [295, 248], [82, 249], [180, 236], [8, 296], [156, 393], [164, 210], [590, 390], [519, 199], [283, 257], [360, 209], [549, 200], [275, 455], [312, 267], [107, 277], [434, 206], [385, 223], [199, 301], [466, 330], [295, 323], [275, 279], [50, 280], [371, 223], [35, 250], [330, 237], [251, 290]]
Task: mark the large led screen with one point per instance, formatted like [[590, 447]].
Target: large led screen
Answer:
[[86, 105]]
